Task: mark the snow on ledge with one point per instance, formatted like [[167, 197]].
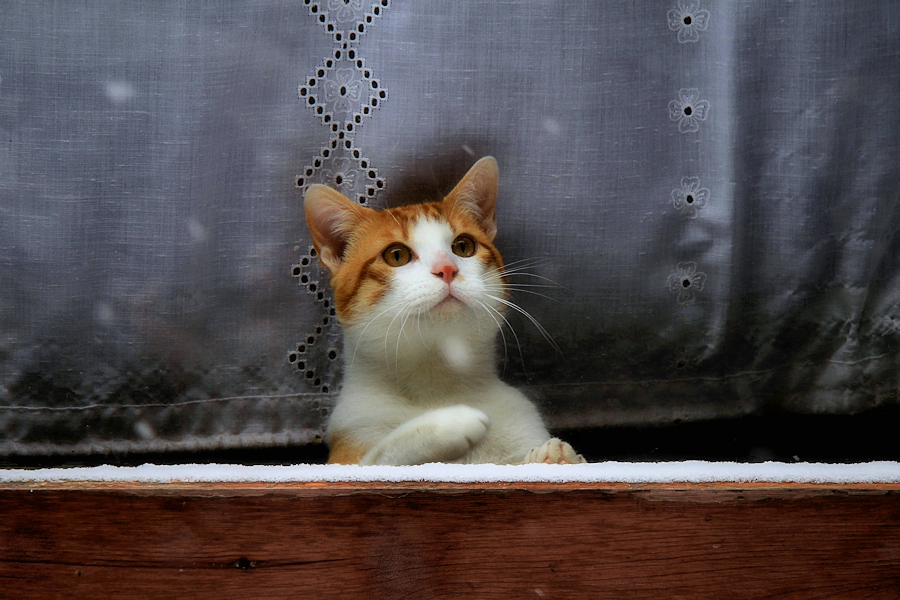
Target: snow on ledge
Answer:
[[605, 472]]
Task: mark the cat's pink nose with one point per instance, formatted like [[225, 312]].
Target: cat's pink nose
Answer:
[[445, 270]]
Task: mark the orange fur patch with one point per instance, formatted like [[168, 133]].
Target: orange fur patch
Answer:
[[344, 452]]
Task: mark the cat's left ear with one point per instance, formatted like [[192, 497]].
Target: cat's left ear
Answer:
[[476, 194]]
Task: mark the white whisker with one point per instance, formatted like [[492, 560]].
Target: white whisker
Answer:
[[534, 275], [419, 325], [516, 289], [363, 332], [527, 315], [524, 285], [527, 262], [399, 334], [387, 332], [488, 310]]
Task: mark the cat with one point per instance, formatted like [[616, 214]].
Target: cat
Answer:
[[420, 292]]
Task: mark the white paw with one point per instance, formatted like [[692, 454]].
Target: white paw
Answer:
[[555, 452], [458, 429], [441, 435]]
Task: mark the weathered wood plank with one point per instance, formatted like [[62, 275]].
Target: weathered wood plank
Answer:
[[439, 540]]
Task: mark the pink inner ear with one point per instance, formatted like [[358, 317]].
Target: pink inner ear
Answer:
[[329, 225], [476, 194]]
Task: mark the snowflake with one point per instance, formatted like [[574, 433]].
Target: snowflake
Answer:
[[688, 110], [688, 20], [686, 282]]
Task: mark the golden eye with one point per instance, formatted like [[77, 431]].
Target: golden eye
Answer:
[[463, 246], [397, 255]]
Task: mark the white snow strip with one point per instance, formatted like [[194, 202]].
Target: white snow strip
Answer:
[[612, 472]]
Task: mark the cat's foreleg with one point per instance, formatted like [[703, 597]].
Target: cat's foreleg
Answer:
[[554, 451], [440, 435]]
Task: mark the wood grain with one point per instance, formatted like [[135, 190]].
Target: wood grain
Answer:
[[418, 540]]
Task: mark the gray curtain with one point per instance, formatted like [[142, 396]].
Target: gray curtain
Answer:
[[711, 188]]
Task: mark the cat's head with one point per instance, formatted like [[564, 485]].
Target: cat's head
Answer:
[[432, 262]]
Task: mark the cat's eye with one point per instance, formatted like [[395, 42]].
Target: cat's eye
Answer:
[[463, 246], [397, 255]]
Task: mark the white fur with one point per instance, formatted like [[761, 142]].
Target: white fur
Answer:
[[420, 382]]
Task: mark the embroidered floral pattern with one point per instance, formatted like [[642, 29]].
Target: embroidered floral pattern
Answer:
[[688, 20], [341, 165], [340, 175], [348, 17], [688, 110], [690, 197], [343, 89], [341, 92], [685, 282], [346, 10]]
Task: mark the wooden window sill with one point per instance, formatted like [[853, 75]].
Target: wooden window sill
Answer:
[[432, 540]]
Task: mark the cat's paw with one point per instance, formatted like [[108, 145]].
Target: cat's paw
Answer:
[[441, 435], [458, 429], [555, 452]]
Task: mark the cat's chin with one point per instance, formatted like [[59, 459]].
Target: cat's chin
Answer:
[[449, 306]]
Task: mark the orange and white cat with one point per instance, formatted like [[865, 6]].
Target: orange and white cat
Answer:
[[420, 292]]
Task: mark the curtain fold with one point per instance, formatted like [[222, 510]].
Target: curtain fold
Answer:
[[709, 192]]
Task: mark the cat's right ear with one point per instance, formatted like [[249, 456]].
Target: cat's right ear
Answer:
[[476, 194], [331, 218]]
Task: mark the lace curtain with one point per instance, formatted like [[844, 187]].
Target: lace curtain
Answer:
[[708, 190]]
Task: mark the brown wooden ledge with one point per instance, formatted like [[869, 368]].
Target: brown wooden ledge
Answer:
[[434, 540]]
